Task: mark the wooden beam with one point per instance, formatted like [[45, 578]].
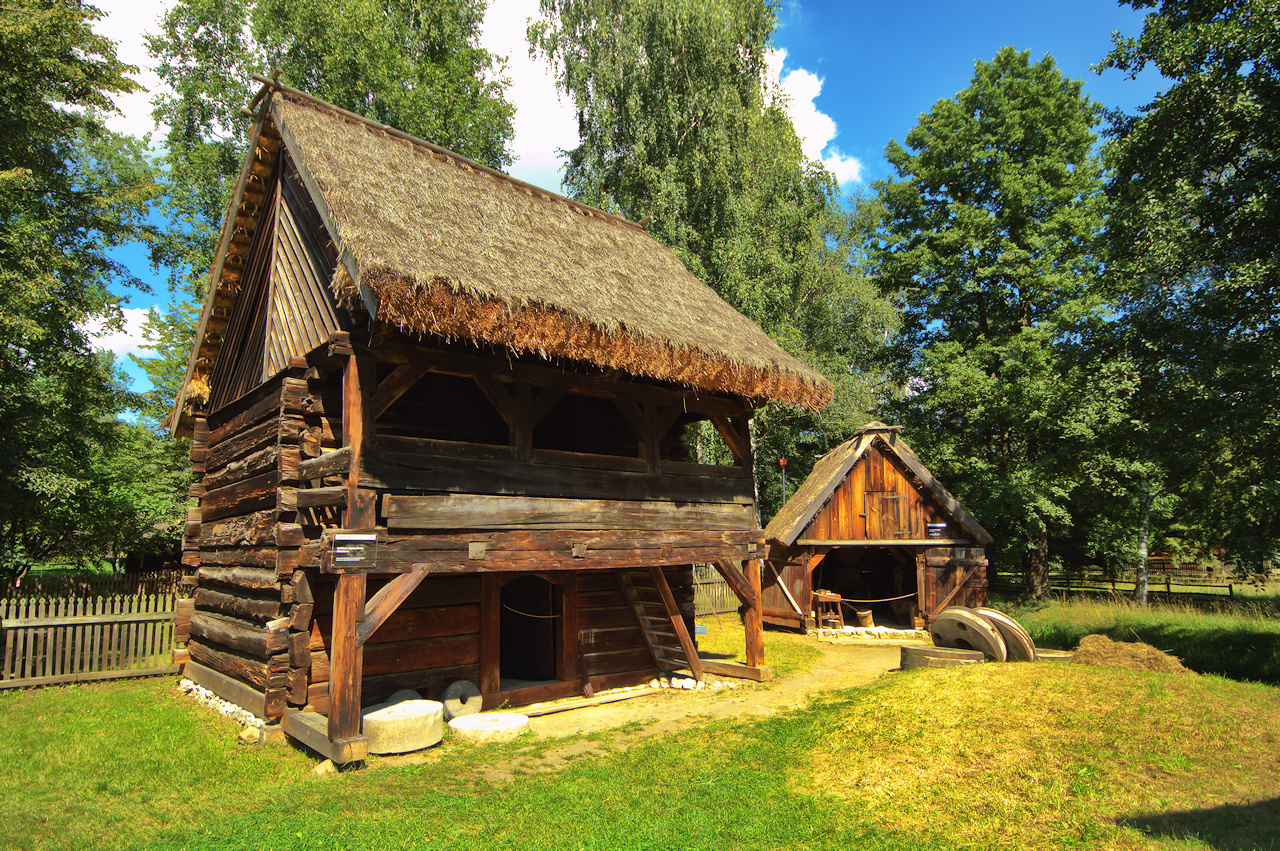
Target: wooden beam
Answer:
[[309, 729], [384, 603], [740, 447], [737, 581], [785, 590], [753, 617], [346, 657], [677, 621], [395, 385], [928, 543], [719, 668]]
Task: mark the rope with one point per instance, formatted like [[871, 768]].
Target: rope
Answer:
[[527, 615], [885, 600]]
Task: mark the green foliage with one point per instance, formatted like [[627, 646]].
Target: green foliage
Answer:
[[416, 66], [676, 123], [1195, 246], [989, 246], [69, 191]]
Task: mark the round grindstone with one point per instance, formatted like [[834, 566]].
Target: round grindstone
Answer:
[[961, 627], [1017, 641], [403, 695], [461, 697], [409, 725], [938, 657], [489, 727]]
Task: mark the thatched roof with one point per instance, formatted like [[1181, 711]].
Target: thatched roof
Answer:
[[831, 469], [437, 244]]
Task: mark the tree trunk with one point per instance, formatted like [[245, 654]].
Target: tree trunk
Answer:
[[1144, 539], [1036, 562]]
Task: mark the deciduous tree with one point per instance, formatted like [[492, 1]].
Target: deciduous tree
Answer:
[[989, 246], [677, 127]]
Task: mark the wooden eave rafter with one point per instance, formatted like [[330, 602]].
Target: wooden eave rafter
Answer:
[[238, 226]]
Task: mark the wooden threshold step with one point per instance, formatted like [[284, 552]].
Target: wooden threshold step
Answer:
[[312, 730]]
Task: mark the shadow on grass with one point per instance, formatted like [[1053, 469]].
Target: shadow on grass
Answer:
[[1239, 654], [1229, 826]]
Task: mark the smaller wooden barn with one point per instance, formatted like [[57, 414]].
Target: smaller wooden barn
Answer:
[[872, 529]]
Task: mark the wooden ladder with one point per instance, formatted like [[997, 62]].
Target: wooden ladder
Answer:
[[660, 622]]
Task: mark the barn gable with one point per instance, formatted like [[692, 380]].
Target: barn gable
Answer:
[[874, 527]]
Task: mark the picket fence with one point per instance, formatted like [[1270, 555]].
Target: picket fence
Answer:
[[79, 639], [711, 594]]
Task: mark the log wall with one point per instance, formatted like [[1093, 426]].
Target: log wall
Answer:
[[243, 544]]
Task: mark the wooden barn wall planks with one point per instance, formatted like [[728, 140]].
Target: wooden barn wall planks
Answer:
[[303, 313], [239, 367]]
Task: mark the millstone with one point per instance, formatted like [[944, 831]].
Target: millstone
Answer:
[[403, 695], [1016, 639], [939, 657], [961, 627], [461, 697], [489, 727], [409, 725]]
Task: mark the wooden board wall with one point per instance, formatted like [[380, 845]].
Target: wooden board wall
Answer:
[[877, 500]]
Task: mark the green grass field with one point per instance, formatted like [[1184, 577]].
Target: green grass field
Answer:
[[991, 756], [1239, 639]]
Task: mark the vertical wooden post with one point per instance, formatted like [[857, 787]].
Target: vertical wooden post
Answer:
[[753, 617], [490, 635], [346, 658]]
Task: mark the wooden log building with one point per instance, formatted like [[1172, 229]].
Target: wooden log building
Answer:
[[437, 419], [871, 529]]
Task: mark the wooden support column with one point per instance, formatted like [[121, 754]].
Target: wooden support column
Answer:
[[753, 617], [346, 657]]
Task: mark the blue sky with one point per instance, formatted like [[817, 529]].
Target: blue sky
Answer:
[[858, 74]]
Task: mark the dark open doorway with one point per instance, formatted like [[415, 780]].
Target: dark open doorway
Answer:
[[531, 607]]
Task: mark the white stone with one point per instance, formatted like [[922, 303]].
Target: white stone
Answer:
[[653, 683], [410, 725], [326, 767], [249, 736], [489, 727]]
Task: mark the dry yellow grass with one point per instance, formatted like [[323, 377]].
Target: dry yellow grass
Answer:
[[1026, 756]]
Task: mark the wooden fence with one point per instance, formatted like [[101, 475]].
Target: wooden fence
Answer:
[[74, 640], [73, 583], [711, 594]]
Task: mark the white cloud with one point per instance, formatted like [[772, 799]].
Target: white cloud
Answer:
[[542, 123], [128, 340], [815, 128], [124, 22]]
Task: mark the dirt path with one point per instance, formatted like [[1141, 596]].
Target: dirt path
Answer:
[[840, 666]]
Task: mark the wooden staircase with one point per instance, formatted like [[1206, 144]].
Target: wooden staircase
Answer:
[[660, 620]]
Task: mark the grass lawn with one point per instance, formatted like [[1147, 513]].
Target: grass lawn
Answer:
[[1238, 639], [1004, 756]]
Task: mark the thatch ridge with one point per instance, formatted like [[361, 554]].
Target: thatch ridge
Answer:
[[461, 251]]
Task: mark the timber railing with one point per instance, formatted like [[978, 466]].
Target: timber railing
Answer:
[[1176, 584], [80, 639], [711, 594]]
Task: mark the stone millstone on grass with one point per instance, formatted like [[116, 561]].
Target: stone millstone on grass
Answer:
[[1102, 652], [961, 627], [489, 727], [461, 697], [1017, 641], [938, 657], [409, 725]]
